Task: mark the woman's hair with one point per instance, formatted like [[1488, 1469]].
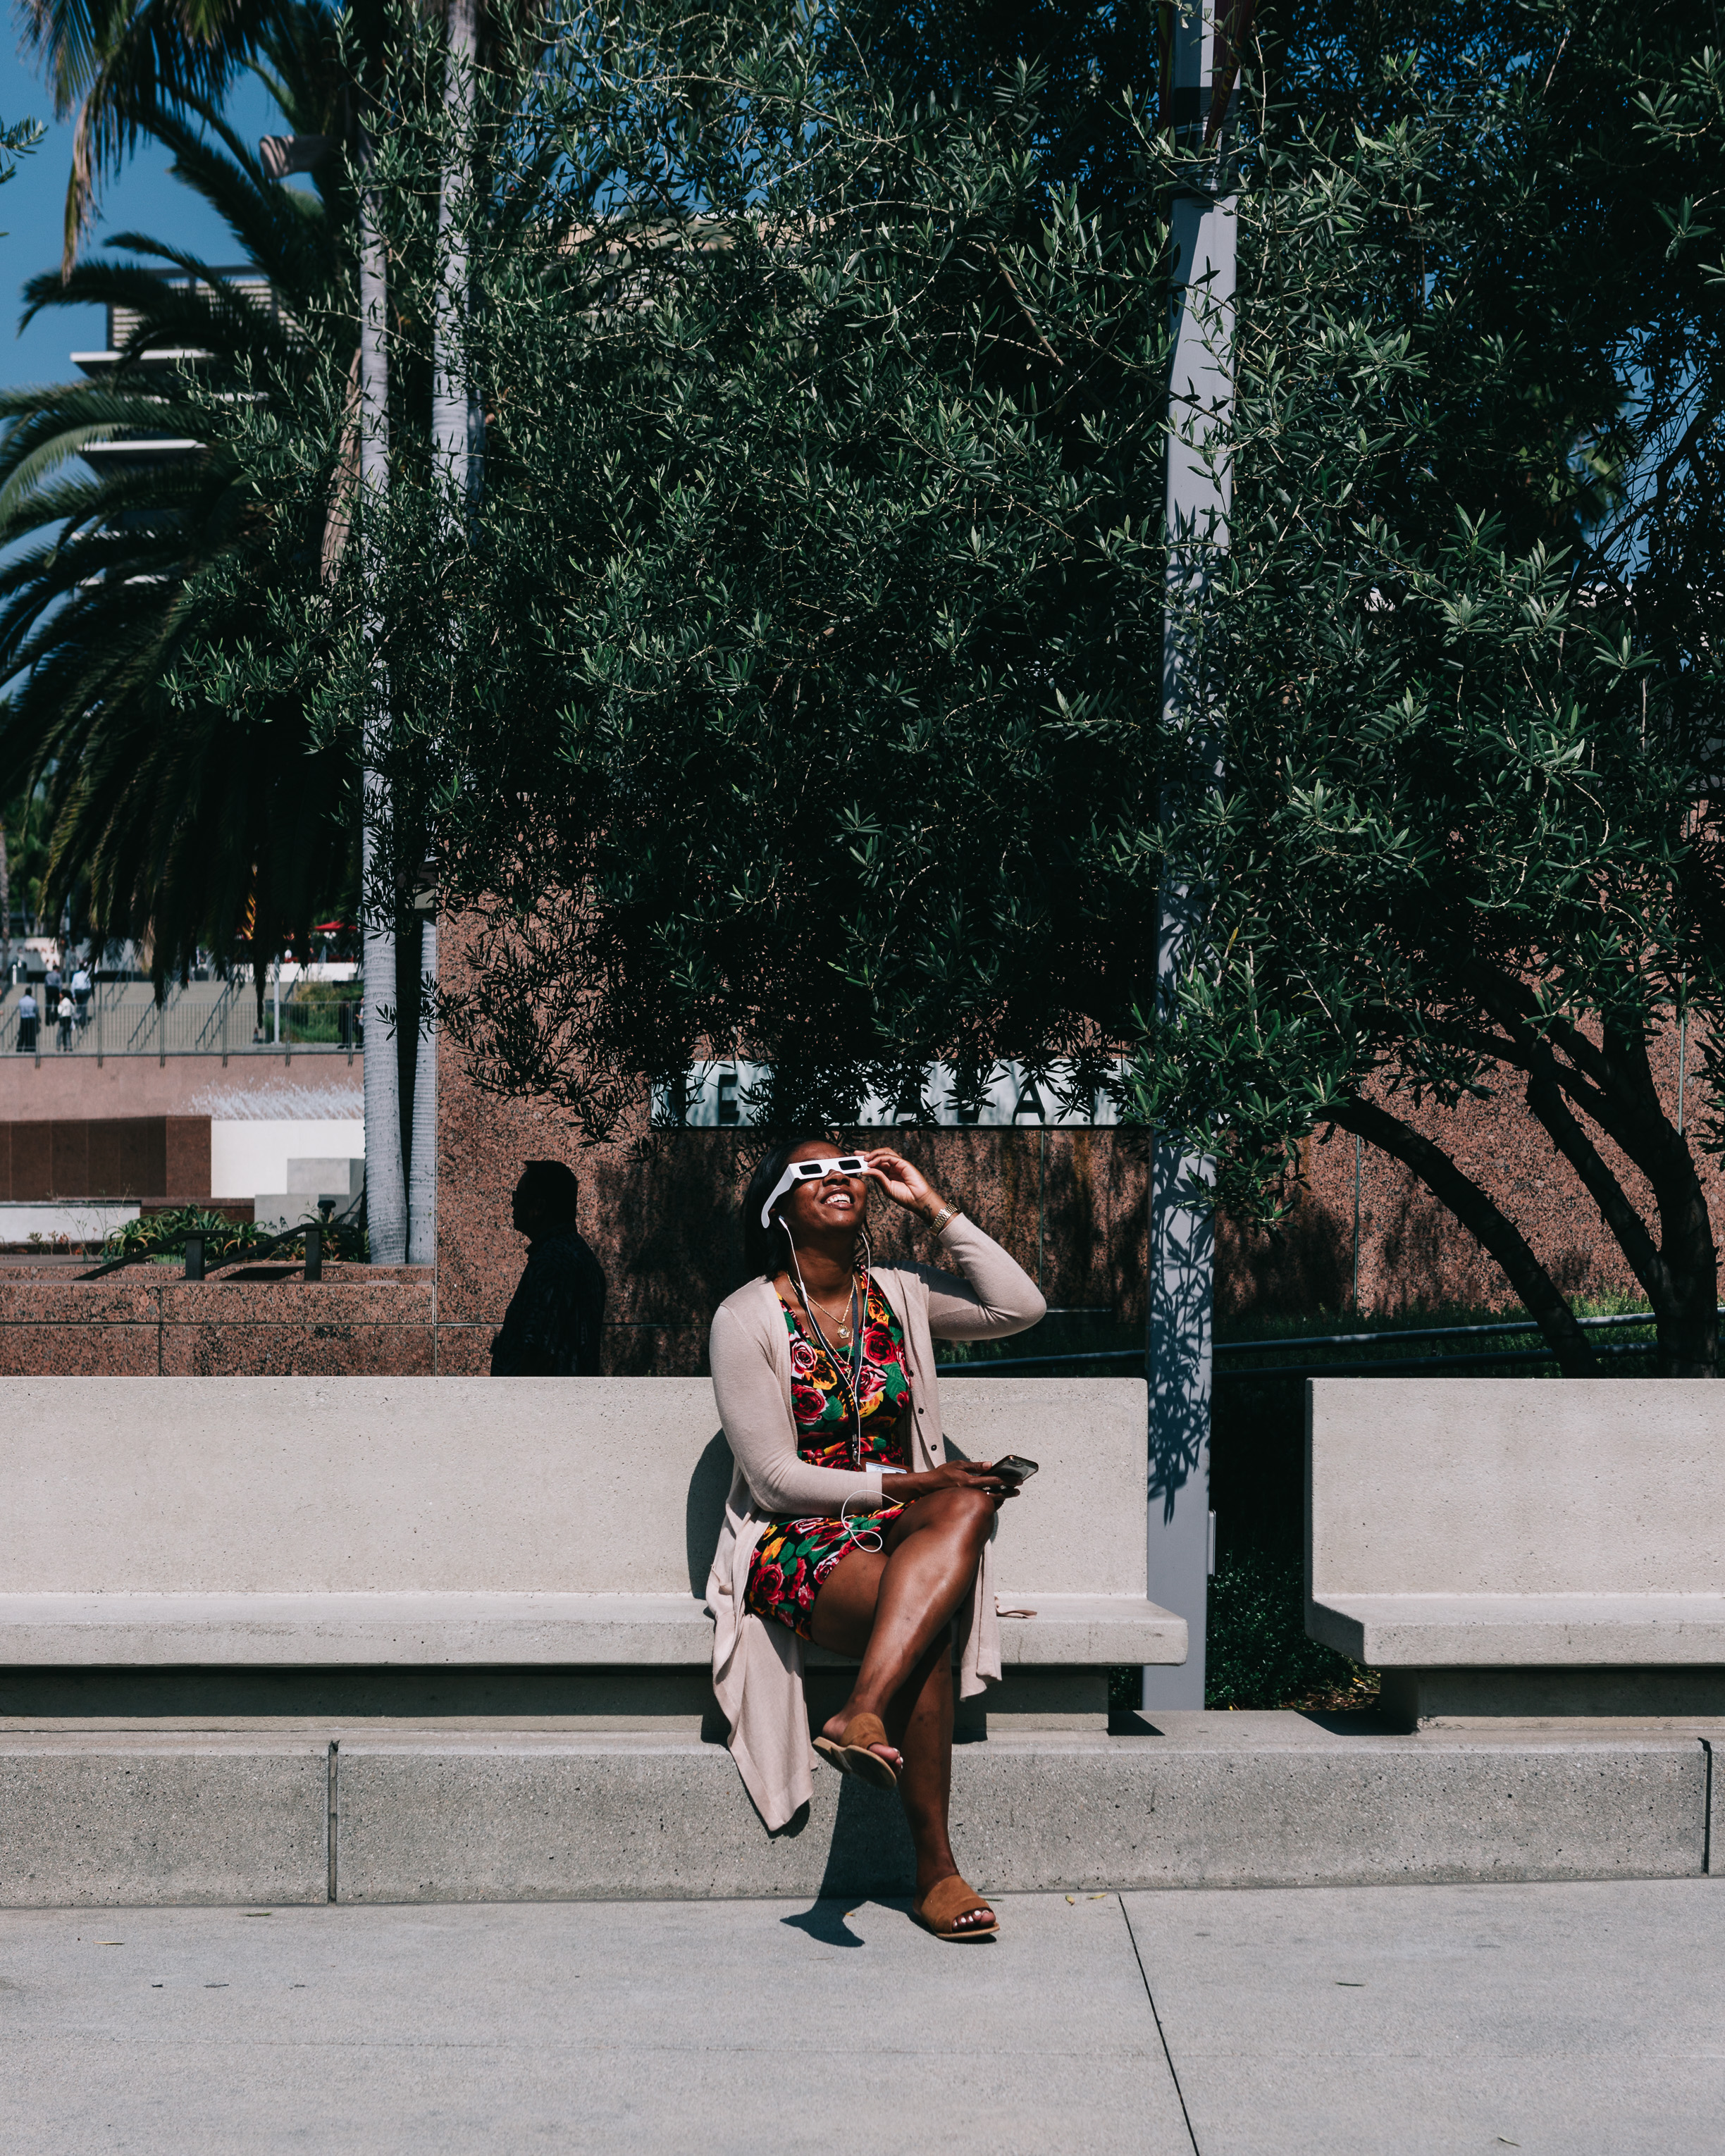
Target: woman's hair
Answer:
[[767, 1251]]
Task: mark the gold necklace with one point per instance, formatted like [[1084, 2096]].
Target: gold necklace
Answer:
[[841, 1325]]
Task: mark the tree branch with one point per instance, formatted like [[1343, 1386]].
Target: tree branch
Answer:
[[1514, 1006], [1483, 1219], [1546, 1100], [1596, 1081]]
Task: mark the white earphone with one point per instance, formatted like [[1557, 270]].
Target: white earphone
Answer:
[[867, 1538]]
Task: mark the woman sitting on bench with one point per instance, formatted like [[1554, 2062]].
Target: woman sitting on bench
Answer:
[[846, 1525]]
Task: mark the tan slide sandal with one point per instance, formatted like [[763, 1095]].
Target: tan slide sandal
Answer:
[[851, 1753], [945, 1903]]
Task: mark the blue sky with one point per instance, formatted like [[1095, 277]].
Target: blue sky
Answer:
[[140, 198]]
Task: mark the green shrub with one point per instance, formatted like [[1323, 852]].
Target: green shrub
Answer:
[[1259, 1653], [163, 1236]]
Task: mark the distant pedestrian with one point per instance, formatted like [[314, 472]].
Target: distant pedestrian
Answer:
[[552, 1324], [66, 1013], [80, 993], [27, 1023], [51, 990]]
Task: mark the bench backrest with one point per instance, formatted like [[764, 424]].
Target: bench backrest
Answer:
[[477, 1485], [1510, 1485]]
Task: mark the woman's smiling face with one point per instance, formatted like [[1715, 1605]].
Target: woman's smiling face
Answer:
[[837, 1204]]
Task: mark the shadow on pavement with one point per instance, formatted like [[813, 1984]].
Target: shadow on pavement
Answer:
[[825, 1921]]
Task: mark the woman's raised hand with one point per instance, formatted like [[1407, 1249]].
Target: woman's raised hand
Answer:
[[904, 1184]]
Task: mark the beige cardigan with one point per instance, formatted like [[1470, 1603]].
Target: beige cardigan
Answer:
[[757, 1667]]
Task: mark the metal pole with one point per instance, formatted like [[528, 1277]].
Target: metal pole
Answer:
[[1181, 1270], [455, 423], [1354, 1306], [1041, 1197], [386, 1176]]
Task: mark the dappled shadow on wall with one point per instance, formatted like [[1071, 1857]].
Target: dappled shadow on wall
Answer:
[[1303, 1263]]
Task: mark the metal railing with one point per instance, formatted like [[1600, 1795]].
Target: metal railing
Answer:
[[206, 1018], [1366, 1367], [1392, 1365]]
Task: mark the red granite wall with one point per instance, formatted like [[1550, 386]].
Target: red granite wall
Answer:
[[149, 1322], [1411, 1252], [661, 1210]]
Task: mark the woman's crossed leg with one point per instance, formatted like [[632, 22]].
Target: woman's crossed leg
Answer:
[[893, 1608]]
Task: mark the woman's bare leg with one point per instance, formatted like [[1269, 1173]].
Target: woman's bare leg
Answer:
[[921, 1726], [888, 1610], [893, 1608]]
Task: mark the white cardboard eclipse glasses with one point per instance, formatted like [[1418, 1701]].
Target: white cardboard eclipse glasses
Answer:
[[812, 1171]]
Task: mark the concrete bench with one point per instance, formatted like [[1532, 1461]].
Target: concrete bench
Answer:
[[1504, 1549], [404, 1530]]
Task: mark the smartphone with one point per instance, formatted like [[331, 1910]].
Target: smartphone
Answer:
[[1014, 1469]]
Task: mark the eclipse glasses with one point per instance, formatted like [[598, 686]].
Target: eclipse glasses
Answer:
[[811, 1171]]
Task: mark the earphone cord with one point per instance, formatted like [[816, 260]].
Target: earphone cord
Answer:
[[874, 1540]]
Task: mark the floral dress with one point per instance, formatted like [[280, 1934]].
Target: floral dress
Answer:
[[794, 1557]]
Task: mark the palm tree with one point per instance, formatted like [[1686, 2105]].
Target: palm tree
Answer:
[[119, 64], [178, 813], [123, 64]]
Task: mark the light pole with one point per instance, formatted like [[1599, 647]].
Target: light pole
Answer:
[[386, 1180], [452, 428], [1201, 73]]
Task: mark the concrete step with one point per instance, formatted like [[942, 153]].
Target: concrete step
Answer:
[[107, 1819]]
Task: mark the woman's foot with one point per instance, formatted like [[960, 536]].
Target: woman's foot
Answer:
[[981, 1918], [835, 1726]]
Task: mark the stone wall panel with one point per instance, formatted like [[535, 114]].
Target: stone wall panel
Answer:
[[79, 1349], [225, 1348]]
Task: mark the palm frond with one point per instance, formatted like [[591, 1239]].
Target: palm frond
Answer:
[[173, 811]]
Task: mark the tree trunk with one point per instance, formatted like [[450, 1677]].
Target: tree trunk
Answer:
[[1687, 1306], [1611, 1082], [385, 1186], [1477, 1213], [422, 1202], [452, 414], [1680, 1272]]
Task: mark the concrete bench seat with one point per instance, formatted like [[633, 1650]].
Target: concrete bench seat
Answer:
[[391, 1524], [1493, 1631], [223, 1631], [1508, 1549]]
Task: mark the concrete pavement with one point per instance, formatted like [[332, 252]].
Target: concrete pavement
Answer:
[[1572, 2019]]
